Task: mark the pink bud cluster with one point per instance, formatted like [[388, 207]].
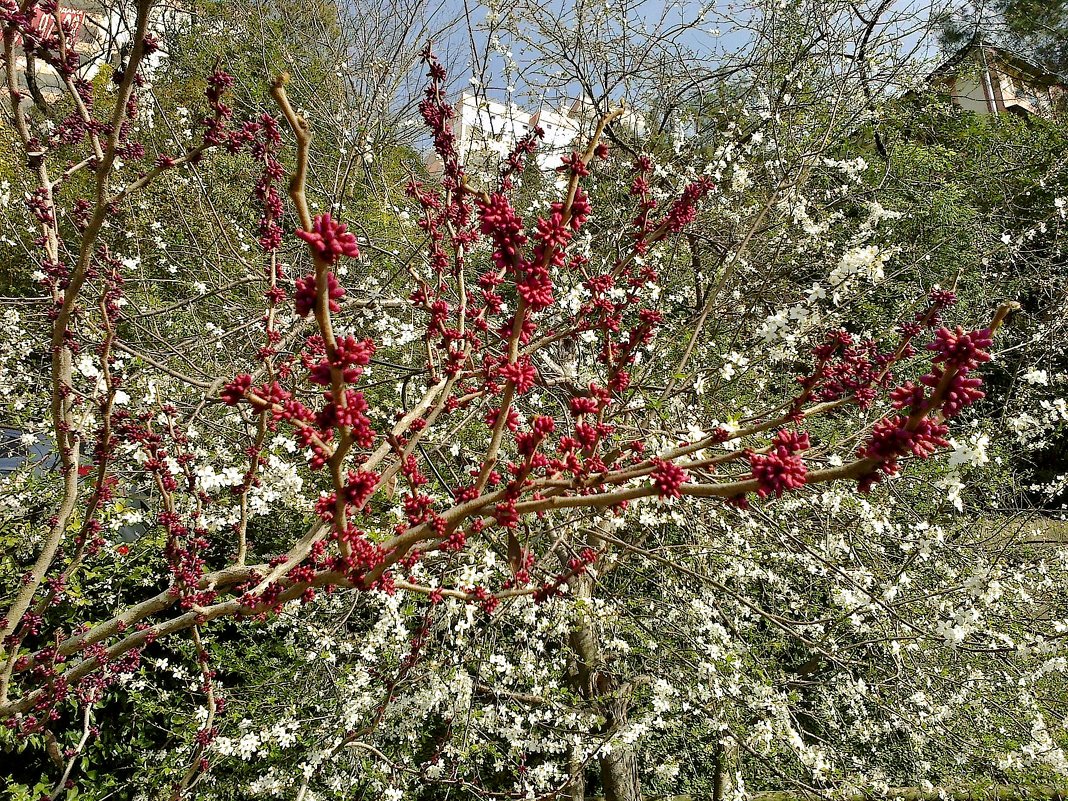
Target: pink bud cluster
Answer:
[[684, 210], [307, 294], [576, 566], [516, 159], [215, 125], [438, 115], [641, 189], [894, 437], [782, 467], [265, 141], [668, 477], [330, 240], [849, 369], [941, 394]]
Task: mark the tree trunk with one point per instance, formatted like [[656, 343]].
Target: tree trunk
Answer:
[[576, 790], [619, 775], [725, 777], [619, 768]]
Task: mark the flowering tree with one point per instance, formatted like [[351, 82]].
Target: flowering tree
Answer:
[[530, 408]]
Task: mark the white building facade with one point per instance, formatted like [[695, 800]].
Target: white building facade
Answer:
[[99, 31], [487, 130]]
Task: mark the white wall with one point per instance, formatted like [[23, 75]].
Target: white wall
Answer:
[[968, 93]]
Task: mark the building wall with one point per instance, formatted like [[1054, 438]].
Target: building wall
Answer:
[[487, 131], [486, 128], [1019, 90], [988, 83], [102, 34], [970, 94]]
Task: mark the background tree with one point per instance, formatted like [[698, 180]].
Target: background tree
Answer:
[[1035, 28]]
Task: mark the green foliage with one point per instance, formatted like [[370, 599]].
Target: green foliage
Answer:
[[1035, 28]]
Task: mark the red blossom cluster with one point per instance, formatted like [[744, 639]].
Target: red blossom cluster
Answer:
[[781, 468], [668, 477], [329, 240], [576, 565], [215, 132], [307, 294], [684, 210], [263, 140], [857, 372], [941, 394]]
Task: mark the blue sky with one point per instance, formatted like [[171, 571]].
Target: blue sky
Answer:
[[725, 30]]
